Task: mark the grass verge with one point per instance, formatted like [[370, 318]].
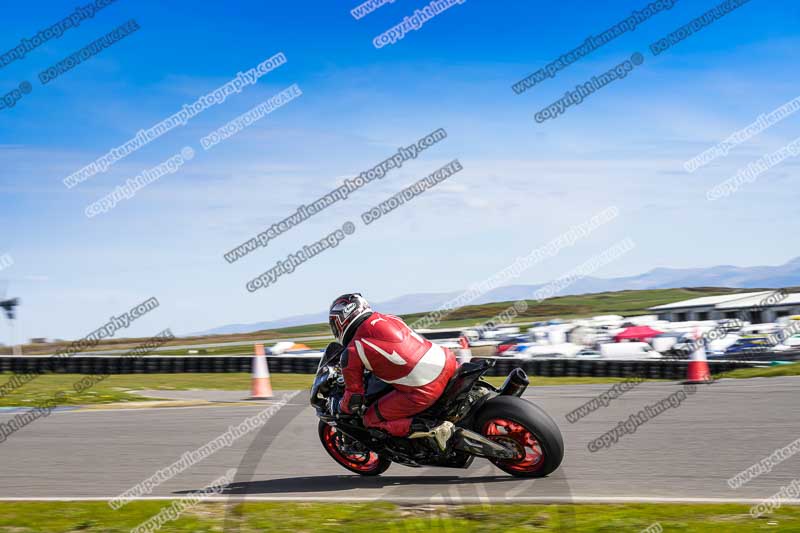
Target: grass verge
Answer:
[[380, 516], [792, 369]]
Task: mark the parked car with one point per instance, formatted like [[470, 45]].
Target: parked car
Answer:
[[683, 348], [731, 324], [531, 350], [749, 345], [792, 343], [506, 343], [588, 353], [499, 332], [759, 329], [665, 341], [719, 346], [628, 350]]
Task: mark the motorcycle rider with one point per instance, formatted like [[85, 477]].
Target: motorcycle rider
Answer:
[[418, 369]]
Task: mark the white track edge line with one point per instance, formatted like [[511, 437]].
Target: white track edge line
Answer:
[[415, 499]]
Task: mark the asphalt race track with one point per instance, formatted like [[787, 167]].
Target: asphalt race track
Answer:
[[685, 454]]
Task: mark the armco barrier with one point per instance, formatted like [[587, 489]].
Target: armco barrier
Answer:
[[308, 365]]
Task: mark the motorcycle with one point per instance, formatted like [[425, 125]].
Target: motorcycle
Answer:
[[495, 423]]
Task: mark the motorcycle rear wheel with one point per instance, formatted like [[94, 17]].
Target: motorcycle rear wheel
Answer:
[[524, 426], [366, 463]]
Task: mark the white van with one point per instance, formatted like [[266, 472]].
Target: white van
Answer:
[[759, 329], [628, 350], [529, 351], [665, 341]]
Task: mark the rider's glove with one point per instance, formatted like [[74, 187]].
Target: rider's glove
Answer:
[[352, 404], [357, 404]]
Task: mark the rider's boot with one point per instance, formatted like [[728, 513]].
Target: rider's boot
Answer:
[[441, 433], [378, 433]]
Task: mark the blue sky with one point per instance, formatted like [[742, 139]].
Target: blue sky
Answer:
[[523, 182]]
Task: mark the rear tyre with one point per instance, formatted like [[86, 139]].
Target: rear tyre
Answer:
[[524, 426], [351, 455]]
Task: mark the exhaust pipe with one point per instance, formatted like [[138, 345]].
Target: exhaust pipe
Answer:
[[515, 384]]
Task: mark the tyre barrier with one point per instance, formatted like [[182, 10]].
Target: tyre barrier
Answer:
[[87, 365], [652, 369]]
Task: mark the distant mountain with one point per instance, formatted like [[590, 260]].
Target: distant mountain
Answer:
[[786, 275]]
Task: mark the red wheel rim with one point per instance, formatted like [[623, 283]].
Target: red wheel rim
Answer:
[[531, 456], [363, 462]]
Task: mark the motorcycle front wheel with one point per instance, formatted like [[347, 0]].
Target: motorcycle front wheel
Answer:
[[352, 456]]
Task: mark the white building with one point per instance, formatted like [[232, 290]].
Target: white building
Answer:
[[754, 307]]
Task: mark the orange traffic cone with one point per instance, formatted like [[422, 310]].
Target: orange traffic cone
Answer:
[[261, 388], [698, 371]]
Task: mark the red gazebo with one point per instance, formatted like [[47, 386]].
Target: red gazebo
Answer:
[[636, 333]]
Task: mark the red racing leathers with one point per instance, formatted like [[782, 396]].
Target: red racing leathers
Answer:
[[418, 370]]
